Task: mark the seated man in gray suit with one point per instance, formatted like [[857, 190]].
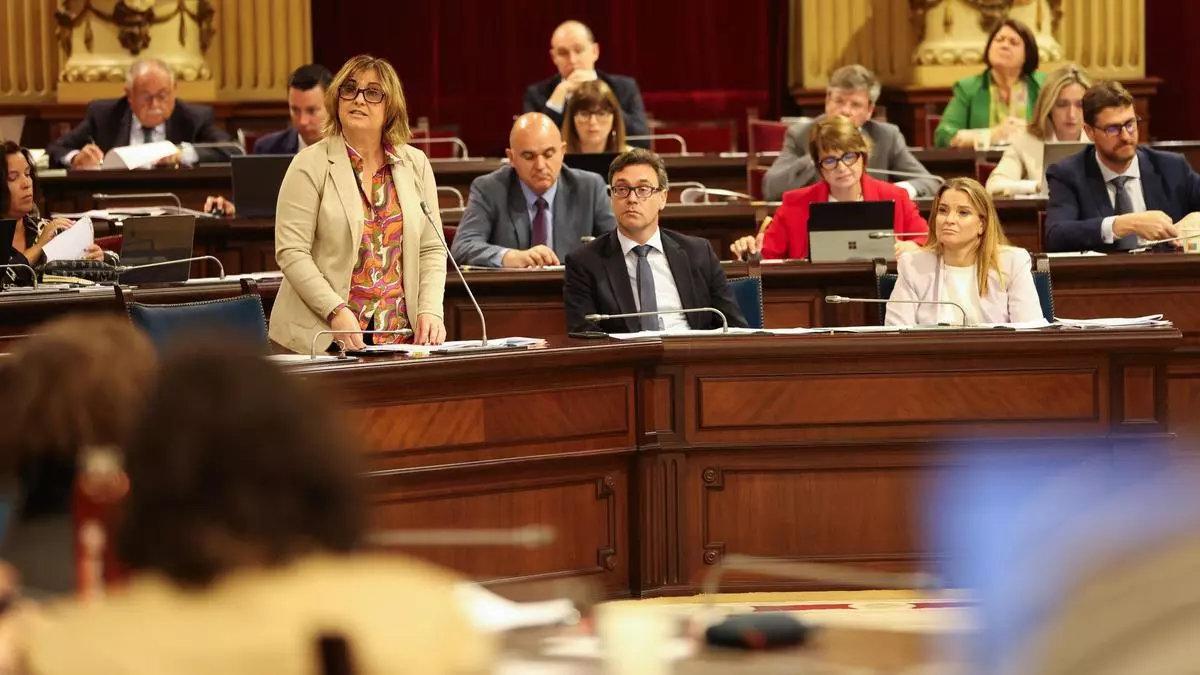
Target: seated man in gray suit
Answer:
[[535, 212], [852, 91]]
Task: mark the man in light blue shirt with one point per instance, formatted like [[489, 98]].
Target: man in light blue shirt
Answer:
[[534, 212]]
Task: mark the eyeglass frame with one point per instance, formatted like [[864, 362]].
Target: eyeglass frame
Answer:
[[1114, 130], [594, 114], [345, 87], [857, 155], [636, 190]]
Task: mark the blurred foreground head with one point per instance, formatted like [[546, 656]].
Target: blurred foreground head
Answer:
[[237, 465]]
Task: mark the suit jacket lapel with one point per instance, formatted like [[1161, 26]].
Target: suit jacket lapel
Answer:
[[518, 214], [618, 279], [1095, 184], [563, 230], [1152, 187], [681, 271], [124, 130], [346, 184]]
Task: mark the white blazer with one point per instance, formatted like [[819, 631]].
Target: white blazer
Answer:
[[1011, 296]]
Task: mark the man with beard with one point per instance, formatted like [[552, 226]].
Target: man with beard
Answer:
[[535, 212], [1115, 196], [641, 267]]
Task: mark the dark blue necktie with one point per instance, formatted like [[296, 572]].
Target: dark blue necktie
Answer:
[[1124, 205], [539, 223], [645, 287]]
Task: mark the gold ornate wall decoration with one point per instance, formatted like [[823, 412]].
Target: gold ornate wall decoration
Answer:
[[133, 19], [945, 42]]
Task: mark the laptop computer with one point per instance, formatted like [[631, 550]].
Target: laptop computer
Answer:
[[156, 239], [1053, 153], [256, 181], [841, 231], [596, 162]]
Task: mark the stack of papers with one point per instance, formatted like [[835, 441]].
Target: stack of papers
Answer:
[[454, 345], [138, 156], [71, 242], [1114, 322], [643, 334]]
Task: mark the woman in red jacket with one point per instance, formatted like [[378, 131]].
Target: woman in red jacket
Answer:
[[840, 152]]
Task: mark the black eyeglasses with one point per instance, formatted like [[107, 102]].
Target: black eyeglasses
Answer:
[[350, 91], [642, 191], [830, 163], [1116, 129]]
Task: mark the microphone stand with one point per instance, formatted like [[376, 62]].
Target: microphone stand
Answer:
[[101, 196], [839, 300], [127, 268], [630, 315]]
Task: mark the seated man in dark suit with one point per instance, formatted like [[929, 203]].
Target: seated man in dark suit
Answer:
[[852, 91], [574, 52], [643, 268], [148, 113], [306, 107], [535, 212], [1115, 195]]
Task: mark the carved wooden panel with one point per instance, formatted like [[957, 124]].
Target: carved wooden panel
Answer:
[[875, 398], [586, 507], [528, 317], [1138, 395]]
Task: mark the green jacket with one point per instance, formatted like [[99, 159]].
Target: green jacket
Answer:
[[970, 106]]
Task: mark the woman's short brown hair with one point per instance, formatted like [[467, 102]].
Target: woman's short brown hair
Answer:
[[78, 381], [237, 464], [395, 115], [836, 133], [591, 96], [1027, 37]]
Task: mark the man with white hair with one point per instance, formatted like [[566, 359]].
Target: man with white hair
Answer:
[[148, 113]]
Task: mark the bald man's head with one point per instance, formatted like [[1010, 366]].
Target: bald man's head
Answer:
[[572, 47], [535, 148]]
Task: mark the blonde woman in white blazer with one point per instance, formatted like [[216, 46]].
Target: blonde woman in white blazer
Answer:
[[1057, 118], [968, 262], [352, 237]]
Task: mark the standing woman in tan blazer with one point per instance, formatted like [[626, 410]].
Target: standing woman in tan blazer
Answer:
[[352, 237]]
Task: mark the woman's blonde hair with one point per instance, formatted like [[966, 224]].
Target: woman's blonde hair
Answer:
[[395, 113], [836, 133], [1040, 125], [594, 95], [987, 256]]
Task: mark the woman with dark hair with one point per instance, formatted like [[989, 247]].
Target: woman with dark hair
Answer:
[[990, 107], [19, 202], [243, 529], [593, 121]]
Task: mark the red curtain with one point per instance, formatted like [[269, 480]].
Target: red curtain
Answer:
[[1176, 108], [466, 63]]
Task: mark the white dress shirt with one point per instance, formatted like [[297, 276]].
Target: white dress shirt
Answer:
[[158, 134], [665, 292], [960, 285], [1133, 187]]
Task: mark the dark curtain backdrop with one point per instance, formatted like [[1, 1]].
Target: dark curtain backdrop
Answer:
[[1171, 55], [466, 63]]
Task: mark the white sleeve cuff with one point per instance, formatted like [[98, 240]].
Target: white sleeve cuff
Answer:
[[188, 156], [67, 158], [1106, 230], [908, 187], [555, 108]]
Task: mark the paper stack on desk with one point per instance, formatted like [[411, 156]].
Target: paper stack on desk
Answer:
[[1114, 322], [138, 156]]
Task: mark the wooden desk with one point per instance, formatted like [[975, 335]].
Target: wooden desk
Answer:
[[653, 459]]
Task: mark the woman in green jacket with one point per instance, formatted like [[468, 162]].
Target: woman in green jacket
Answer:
[[987, 108]]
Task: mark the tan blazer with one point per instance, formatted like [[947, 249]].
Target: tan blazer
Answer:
[[318, 228], [399, 615], [1020, 169]]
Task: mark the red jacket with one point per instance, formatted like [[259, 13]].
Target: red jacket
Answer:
[[787, 235]]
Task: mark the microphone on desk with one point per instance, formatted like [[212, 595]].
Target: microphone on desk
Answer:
[[840, 299], [216, 145], [312, 350], [906, 174], [101, 196], [32, 273], [889, 234], [630, 315], [529, 536], [121, 269]]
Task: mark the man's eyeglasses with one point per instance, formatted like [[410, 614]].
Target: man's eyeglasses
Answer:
[[584, 115], [642, 191], [1115, 129], [350, 91], [161, 97], [830, 163]]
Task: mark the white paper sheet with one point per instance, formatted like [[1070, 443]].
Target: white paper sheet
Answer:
[[492, 613], [71, 242], [138, 156], [1114, 322]]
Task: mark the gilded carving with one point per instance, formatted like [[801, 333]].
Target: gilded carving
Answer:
[[133, 19]]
